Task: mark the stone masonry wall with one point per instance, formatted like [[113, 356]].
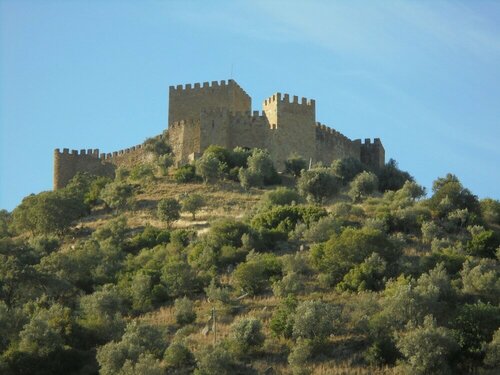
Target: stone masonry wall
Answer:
[[219, 113], [187, 102]]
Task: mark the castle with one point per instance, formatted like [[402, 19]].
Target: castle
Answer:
[[220, 113]]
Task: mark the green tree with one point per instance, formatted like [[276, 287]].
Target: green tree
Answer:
[[315, 320], [280, 196], [192, 203], [363, 185], [158, 145], [346, 169], [318, 184], [48, 212], [184, 311], [169, 210], [390, 177], [294, 164], [246, 335], [118, 195], [492, 358], [185, 174], [209, 168], [428, 349]]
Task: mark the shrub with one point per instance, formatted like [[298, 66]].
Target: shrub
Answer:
[[300, 355], [318, 184], [294, 164], [169, 210], [142, 172], [450, 195], [148, 238], [480, 278], [253, 275], [390, 177], [483, 243], [185, 174], [209, 168], [285, 218], [337, 256], [315, 320], [216, 360], [365, 276], [348, 168], [246, 335], [282, 321], [184, 312], [260, 162], [363, 185], [428, 349], [475, 325], [178, 356], [48, 212], [118, 195], [490, 210], [281, 196], [179, 278], [239, 157], [164, 162], [192, 203], [158, 145], [291, 283], [492, 358]]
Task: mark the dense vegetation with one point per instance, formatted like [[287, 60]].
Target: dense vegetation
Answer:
[[227, 267]]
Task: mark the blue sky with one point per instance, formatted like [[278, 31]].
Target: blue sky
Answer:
[[424, 76]]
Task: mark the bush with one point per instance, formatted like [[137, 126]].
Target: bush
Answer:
[[281, 196], [192, 203], [148, 238], [285, 218], [294, 164], [246, 335], [428, 349], [48, 212], [483, 244], [249, 178], [216, 360], [315, 320], [490, 210], [481, 279], [260, 162], [348, 168], [363, 185], [184, 312], [164, 162], [318, 184], [209, 168], [390, 177], [449, 195], [118, 195], [158, 145], [239, 157], [142, 172], [185, 174], [365, 276], [492, 358], [475, 325], [342, 252], [253, 276], [283, 319], [300, 355], [178, 356], [169, 210]]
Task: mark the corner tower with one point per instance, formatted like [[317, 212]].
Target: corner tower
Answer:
[[292, 122], [187, 102]]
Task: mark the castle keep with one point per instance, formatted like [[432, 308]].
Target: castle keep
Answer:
[[220, 113]]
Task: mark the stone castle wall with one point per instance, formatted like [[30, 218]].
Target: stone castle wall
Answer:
[[219, 113]]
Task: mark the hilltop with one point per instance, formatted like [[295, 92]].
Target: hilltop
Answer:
[[335, 269]]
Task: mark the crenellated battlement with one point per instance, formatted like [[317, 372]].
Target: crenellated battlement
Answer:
[[220, 113], [285, 98], [327, 131]]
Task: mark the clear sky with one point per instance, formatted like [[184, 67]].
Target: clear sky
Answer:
[[424, 76]]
